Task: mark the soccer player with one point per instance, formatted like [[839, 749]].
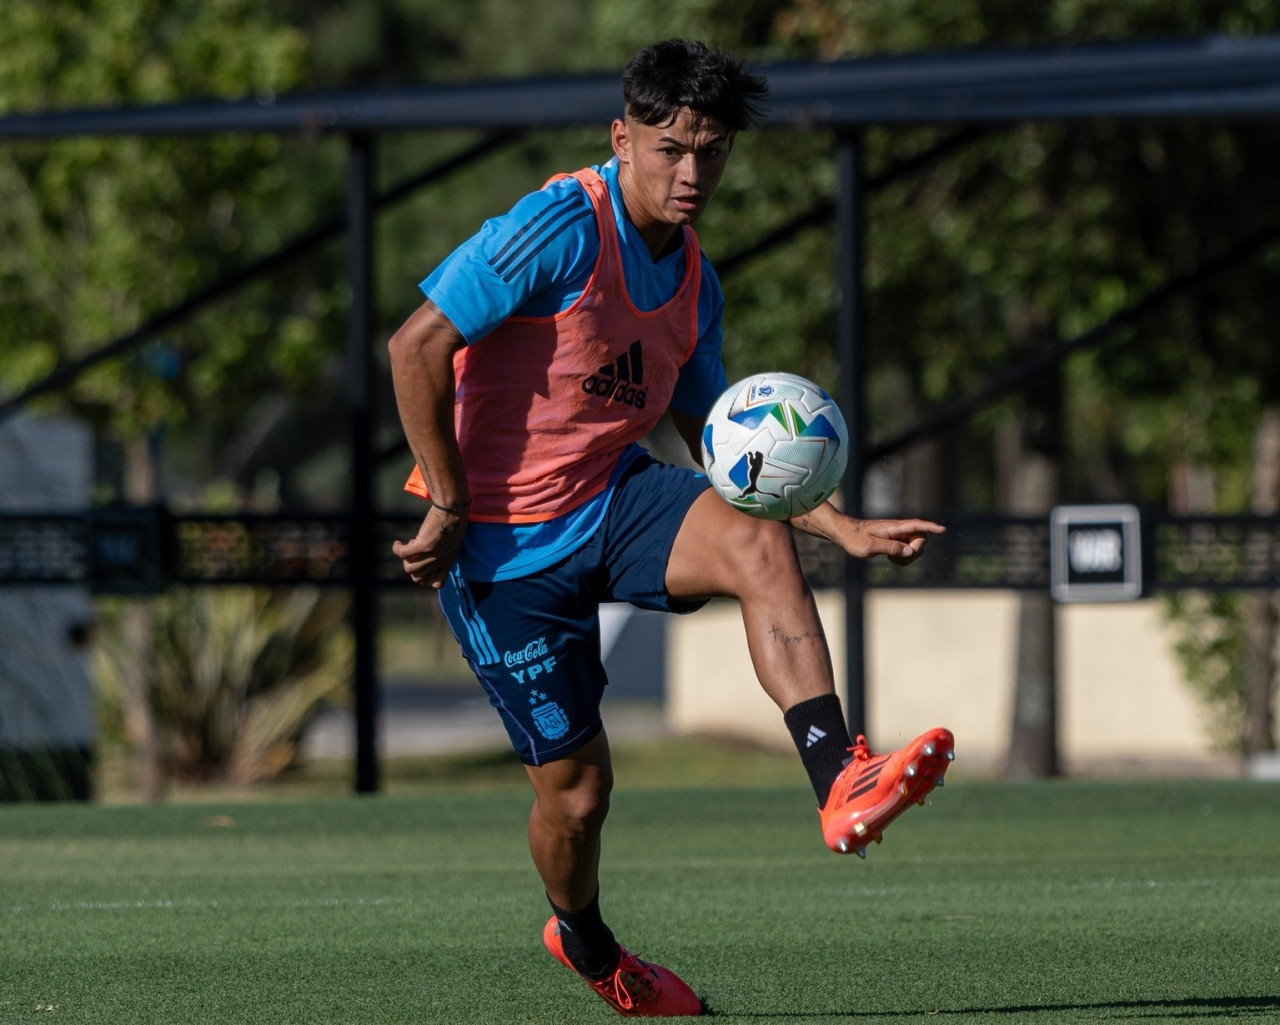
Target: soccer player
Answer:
[[547, 347]]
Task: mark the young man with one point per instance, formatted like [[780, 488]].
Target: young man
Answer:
[[549, 344]]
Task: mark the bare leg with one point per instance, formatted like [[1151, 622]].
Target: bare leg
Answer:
[[571, 800], [720, 552]]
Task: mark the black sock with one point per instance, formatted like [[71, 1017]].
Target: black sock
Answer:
[[821, 735], [587, 942]]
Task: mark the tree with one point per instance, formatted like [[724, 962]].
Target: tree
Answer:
[[1030, 234], [98, 233]]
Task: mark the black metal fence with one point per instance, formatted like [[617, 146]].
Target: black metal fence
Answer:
[[144, 550]]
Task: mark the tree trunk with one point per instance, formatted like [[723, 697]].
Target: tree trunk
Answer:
[[1260, 614], [139, 715], [1033, 739], [1032, 489]]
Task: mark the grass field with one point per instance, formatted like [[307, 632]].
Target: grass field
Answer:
[[1008, 903]]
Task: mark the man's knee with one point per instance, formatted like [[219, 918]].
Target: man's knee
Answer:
[[580, 811], [766, 550], [573, 796]]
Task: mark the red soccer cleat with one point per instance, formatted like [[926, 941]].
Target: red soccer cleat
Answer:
[[636, 989], [873, 790]]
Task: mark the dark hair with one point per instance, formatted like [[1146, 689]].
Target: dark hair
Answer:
[[667, 77]]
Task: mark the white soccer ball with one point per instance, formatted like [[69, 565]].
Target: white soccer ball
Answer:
[[775, 445]]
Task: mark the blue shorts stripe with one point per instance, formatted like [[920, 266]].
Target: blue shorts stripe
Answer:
[[486, 642], [534, 640], [477, 633]]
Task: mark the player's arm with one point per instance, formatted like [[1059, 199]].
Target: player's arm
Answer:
[[901, 540], [422, 353], [702, 378], [689, 428]]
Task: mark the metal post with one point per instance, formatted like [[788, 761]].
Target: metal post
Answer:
[[850, 345], [361, 518]]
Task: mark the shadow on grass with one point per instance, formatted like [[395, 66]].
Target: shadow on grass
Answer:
[[1190, 1007]]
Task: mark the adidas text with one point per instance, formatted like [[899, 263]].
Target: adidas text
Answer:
[[614, 391], [620, 381]]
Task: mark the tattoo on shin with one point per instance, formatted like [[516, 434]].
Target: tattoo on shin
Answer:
[[787, 639]]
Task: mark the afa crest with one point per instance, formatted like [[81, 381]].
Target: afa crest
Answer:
[[551, 720]]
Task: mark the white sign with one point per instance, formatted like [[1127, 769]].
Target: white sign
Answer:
[[1095, 553]]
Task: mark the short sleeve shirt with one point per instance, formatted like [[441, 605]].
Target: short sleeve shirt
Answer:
[[535, 261]]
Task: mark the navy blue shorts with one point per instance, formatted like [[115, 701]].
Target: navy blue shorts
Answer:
[[534, 642]]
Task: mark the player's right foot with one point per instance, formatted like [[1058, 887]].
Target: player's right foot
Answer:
[[873, 790], [636, 988]]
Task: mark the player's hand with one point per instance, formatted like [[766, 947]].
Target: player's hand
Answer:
[[429, 556], [902, 541]]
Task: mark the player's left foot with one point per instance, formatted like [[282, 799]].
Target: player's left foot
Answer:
[[873, 789], [635, 989]]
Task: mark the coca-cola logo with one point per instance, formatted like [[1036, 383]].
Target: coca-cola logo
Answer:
[[531, 652]]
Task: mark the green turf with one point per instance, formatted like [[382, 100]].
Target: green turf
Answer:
[[1040, 903]]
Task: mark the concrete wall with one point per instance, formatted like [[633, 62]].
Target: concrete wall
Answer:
[[947, 659]]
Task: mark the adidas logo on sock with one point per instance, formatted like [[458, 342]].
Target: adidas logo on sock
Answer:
[[620, 380], [815, 735]]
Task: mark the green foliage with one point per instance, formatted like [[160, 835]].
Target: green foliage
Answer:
[[1051, 225], [397, 42], [234, 675], [1020, 237], [98, 233], [831, 28], [1057, 228], [1023, 236], [1212, 644], [1063, 226], [102, 52], [1029, 234]]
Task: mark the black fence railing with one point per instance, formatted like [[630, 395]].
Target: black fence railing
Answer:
[[140, 550]]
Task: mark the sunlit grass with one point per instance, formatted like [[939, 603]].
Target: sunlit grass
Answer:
[[1046, 903]]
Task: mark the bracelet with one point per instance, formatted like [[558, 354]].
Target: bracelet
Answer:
[[452, 510]]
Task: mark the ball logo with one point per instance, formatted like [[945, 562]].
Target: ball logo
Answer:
[[755, 463], [621, 380]]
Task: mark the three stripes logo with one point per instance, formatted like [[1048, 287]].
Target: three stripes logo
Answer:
[[865, 781], [814, 736], [621, 380]]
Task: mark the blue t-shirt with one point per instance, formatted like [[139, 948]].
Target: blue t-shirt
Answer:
[[535, 261]]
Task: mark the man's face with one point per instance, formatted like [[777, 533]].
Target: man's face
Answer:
[[669, 173]]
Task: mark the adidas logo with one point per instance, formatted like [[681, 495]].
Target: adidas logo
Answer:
[[621, 380], [815, 735]]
